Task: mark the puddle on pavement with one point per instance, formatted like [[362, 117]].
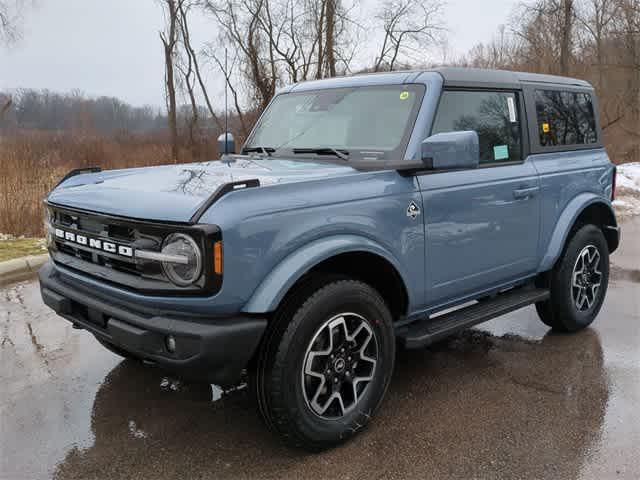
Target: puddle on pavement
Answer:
[[628, 274], [510, 391]]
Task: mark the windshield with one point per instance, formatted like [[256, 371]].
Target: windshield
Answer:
[[363, 122]]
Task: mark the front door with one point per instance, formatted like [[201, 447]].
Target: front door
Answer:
[[481, 225]]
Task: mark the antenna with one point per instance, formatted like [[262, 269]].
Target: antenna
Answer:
[[226, 115]]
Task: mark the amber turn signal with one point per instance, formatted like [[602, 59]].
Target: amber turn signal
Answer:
[[217, 258]]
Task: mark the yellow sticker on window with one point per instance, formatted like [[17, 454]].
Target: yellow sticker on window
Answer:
[[545, 127], [404, 95]]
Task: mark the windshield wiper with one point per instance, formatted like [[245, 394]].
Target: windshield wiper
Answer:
[[341, 154], [265, 150]]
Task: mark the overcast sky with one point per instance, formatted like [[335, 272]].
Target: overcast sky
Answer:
[[112, 47]]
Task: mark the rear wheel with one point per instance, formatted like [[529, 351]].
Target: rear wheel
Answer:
[[578, 282], [323, 371]]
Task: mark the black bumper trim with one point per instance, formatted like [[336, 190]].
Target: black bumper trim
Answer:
[[215, 351]]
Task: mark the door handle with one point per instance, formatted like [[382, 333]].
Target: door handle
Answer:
[[522, 193]]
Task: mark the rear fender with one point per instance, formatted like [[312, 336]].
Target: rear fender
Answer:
[[564, 224]]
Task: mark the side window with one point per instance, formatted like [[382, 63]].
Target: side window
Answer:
[[494, 115], [565, 118]]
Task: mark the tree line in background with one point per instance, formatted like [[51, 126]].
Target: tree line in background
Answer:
[[271, 43], [595, 40], [276, 42], [50, 111]]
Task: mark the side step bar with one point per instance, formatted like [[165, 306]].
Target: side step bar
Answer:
[[430, 330]]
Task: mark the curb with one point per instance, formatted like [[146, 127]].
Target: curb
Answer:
[[21, 268]]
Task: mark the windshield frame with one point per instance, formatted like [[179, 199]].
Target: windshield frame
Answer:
[[354, 154]]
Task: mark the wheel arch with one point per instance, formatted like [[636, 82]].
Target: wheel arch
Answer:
[[583, 209], [347, 256]]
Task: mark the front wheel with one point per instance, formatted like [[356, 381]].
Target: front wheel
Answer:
[[578, 282], [323, 372]]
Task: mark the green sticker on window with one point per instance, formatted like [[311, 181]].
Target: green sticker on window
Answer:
[[500, 152]]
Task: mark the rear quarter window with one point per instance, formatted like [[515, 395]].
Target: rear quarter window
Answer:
[[565, 118]]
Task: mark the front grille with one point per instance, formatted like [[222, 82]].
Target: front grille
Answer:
[[114, 267]]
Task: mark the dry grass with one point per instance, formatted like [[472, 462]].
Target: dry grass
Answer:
[[21, 247], [31, 163]]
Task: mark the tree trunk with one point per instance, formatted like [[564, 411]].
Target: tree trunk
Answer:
[[169, 43], [171, 104], [192, 54], [320, 35], [330, 38], [565, 45]]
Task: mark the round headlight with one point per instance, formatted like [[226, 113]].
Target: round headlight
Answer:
[[182, 274]]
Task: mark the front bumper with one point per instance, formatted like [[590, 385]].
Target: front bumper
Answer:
[[211, 350]]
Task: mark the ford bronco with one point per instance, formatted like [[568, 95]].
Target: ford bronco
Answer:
[[361, 213]]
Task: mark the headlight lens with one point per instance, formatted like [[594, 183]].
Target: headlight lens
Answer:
[[183, 245]]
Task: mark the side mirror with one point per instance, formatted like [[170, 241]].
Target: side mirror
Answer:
[[226, 144], [451, 150]]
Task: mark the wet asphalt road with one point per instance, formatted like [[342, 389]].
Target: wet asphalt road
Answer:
[[507, 400]]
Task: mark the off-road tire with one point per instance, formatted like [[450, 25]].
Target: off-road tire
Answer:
[[560, 311], [276, 379]]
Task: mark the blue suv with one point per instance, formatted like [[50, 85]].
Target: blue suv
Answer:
[[362, 213]]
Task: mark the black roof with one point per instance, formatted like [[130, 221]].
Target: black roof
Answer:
[[481, 77]]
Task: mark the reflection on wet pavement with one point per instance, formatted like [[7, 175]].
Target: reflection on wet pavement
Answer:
[[507, 400]]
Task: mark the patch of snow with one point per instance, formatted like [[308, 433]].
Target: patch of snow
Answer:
[[627, 203], [625, 182], [629, 176]]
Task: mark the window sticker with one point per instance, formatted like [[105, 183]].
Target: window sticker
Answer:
[[500, 152], [545, 127], [512, 110], [404, 95]]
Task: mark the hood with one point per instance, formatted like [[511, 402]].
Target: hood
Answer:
[[175, 192]]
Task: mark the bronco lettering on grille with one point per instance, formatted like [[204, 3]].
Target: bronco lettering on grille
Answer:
[[94, 243]]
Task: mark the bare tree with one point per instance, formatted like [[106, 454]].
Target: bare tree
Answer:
[[409, 27], [241, 24], [193, 59], [596, 18], [5, 105], [330, 41], [567, 15], [228, 72], [169, 38], [185, 66], [628, 34], [284, 41], [10, 20], [546, 28]]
